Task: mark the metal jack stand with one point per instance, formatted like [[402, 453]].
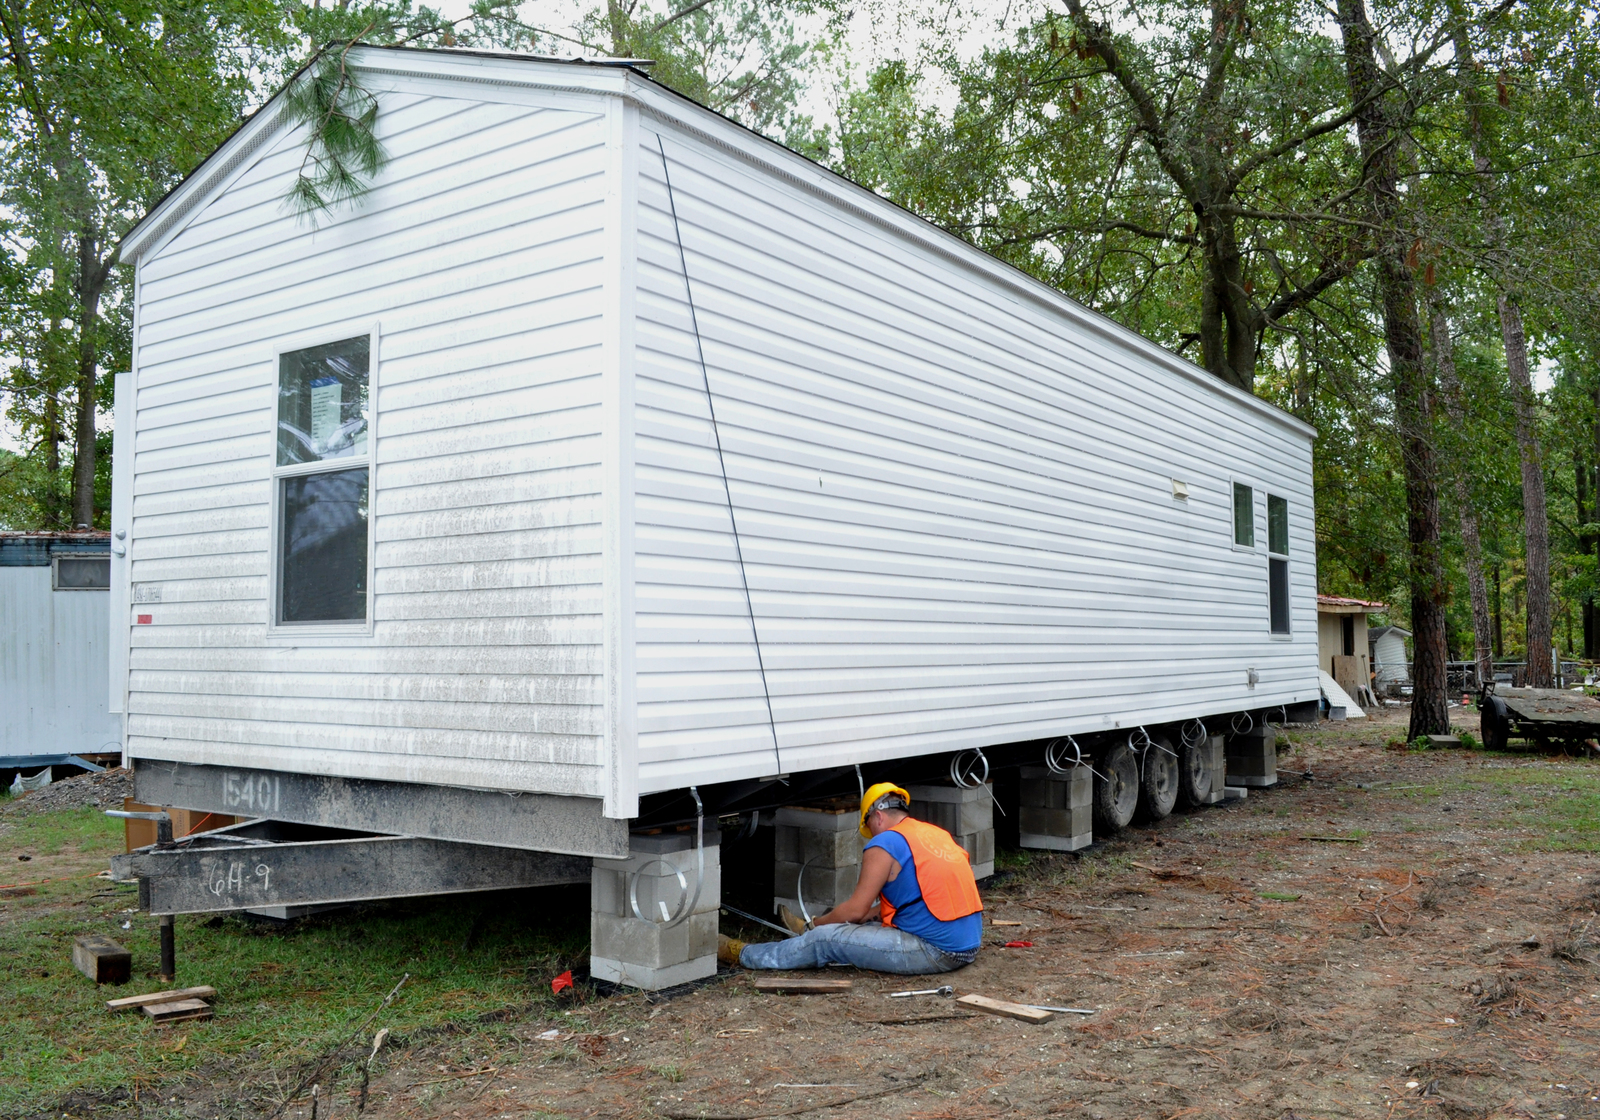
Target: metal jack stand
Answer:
[[169, 951]]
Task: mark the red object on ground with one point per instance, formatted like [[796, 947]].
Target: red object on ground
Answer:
[[562, 981], [1018, 945]]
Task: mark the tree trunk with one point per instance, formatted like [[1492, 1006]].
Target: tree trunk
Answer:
[[92, 274], [1535, 515], [1403, 336], [1535, 519], [1499, 630], [1482, 635], [1592, 608], [1584, 513]]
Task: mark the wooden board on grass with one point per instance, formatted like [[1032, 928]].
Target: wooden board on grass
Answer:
[[127, 1003], [1001, 1007], [801, 984], [178, 1011]]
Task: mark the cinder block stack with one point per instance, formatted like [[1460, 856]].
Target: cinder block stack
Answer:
[[1056, 810], [966, 814], [643, 953], [1219, 769], [1253, 758], [825, 842]]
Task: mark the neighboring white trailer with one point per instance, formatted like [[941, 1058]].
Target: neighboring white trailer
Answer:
[[428, 491], [53, 649]]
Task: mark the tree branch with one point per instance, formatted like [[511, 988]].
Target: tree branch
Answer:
[[680, 14], [1305, 293], [1150, 118]]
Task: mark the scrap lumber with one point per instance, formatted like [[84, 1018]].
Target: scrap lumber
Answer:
[[178, 1011], [102, 959], [1002, 1007], [127, 1003], [801, 984]]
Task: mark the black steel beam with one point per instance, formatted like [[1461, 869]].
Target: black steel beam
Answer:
[[218, 872], [535, 821]]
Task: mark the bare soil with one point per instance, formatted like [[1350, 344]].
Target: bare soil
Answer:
[[104, 789], [1443, 964]]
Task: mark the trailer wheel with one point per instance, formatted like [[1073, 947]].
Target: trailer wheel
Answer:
[[1494, 724], [1194, 774], [1116, 790], [1158, 782]]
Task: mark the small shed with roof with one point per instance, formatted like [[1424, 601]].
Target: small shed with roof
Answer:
[[1342, 640]]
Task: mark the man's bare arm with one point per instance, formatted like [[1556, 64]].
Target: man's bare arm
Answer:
[[876, 867]]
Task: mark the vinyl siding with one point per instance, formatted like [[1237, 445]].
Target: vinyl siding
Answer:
[[53, 667], [479, 252], [954, 504]]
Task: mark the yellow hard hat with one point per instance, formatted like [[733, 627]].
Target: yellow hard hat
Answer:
[[874, 794]]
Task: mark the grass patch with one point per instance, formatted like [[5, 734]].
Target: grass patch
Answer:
[[88, 831], [1556, 800], [284, 992]]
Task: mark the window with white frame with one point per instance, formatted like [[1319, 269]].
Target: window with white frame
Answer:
[[1278, 564], [323, 472]]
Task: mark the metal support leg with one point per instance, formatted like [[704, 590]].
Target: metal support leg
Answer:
[[169, 967]]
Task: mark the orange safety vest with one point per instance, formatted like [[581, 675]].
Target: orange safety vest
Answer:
[[944, 872]]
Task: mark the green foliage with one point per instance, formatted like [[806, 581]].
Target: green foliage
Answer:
[[106, 108], [744, 58], [342, 151]]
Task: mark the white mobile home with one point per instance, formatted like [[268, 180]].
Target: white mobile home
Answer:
[[605, 448], [53, 650]]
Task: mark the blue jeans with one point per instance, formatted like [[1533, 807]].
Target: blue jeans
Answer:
[[873, 946]]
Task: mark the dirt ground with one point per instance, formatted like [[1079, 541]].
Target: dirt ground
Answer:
[[1439, 966], [1388, 933]]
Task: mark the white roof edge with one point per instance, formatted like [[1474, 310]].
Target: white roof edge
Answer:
[[615, 79], [183, 199]]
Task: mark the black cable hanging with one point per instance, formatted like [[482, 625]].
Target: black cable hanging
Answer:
[[727, 492]]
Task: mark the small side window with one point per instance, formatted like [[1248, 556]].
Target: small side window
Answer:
[[1244, 516], [81, 573], [1278, 563]]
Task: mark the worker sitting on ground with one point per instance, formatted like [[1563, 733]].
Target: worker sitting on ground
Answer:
[[915, 908]]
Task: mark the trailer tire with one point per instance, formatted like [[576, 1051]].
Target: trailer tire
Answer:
[[1495, 724], [1116, 790], [1195, 778], [1158, 782]]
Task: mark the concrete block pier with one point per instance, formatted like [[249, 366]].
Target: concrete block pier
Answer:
[[827, 844], [1055, 811], [966, 814], [644, 952]]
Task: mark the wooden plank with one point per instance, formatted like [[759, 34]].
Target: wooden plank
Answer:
[[102, 959], [1348, 672], [1002, 1007], [204, 991], [178, 1011], [799, 985]]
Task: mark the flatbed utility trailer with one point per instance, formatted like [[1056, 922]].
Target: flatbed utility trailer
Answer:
[[1546, 716]]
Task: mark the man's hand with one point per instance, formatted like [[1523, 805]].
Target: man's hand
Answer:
[[877, 866]]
